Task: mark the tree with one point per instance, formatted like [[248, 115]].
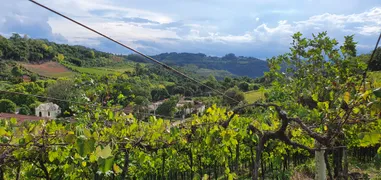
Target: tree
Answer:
[[64, 90], [139, 69], [244, 86], [59, 57], [256, 87], [349, 47], [235, 96], [228, 82], [375, 64], [211, 82], [33, 77], [7, 106], [313, 91], [25, 110], [16, 71], [168, 108], [141, 104], [159, 94]]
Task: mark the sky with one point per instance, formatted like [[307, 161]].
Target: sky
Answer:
[[256, 28]]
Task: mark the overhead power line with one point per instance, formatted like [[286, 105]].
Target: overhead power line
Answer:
[[137, 52]]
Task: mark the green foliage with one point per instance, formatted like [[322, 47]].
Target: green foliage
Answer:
[[7, 106], [59, 57], [235, 96], [35, 50], [25, 110], [168, 108], [33, 77], [244, 86], [242, 66], [349, 47], [375, 64], [159, 94], [16, 71], [103, 143], [63, 90]]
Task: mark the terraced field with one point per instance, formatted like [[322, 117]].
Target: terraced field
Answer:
[[49, 69]]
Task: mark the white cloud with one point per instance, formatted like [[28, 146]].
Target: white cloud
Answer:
[[366, 23], [369, 30], [85, 7], [217, 26]]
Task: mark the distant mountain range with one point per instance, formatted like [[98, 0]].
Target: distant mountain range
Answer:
[[237, 65]]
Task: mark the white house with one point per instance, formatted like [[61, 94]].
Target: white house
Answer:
[[48, 110]]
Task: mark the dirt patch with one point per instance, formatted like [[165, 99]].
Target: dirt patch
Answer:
[[49, 69]]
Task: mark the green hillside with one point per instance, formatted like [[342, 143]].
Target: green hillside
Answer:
[[240, 66]]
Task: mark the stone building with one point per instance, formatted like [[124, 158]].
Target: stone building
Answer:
[[48, 110]]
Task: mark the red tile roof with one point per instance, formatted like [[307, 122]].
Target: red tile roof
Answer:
[[21, 118]]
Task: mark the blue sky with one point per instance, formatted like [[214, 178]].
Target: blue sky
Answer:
[[258, 28]]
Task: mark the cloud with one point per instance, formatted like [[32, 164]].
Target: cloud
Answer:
[[256, 28], [139, 20], [28, 21]]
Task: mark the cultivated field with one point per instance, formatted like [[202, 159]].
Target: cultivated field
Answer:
[[49, 69], [102, 71]]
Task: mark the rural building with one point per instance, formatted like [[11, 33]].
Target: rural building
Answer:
[[155, 105], [48, 110], [188, 107], [185, 107]]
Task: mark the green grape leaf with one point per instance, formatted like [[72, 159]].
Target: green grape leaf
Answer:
[[13, 121], [52, 155], [117, 169], [70, 138], [93, 158], [323, 105], [105, 165], [370, 139], [377, 92], [2, 131], [315, 97], [84, 146], [96, 116], [110, 115], [104, 153], [356, 110]]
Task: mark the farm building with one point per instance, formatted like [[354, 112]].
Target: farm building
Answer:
[[49, 110]]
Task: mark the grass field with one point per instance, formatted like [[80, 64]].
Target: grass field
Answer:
[[101, 70], [253, 96], [49, 69], [121, 68]]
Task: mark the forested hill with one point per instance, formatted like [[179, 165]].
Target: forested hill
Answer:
[[238, 65], [25, 49]]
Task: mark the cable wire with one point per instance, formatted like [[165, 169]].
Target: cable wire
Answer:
[[132, 49]]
